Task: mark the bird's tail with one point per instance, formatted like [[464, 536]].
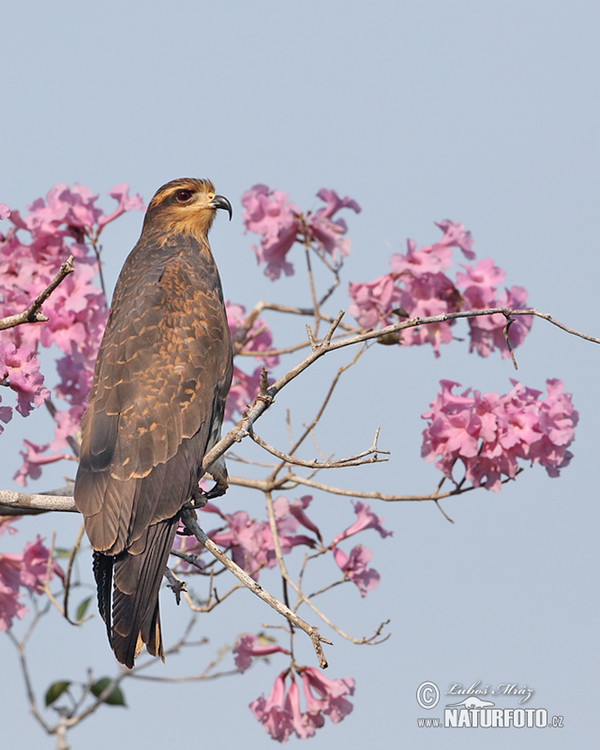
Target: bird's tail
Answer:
[[132, 581]]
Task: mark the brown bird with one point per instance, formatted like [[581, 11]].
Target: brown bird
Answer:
[[156, 406]]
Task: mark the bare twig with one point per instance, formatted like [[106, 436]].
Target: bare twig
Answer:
[[33, 313], [370, 456], [190, 522], [375, 495], [93, 238], [20, 648]]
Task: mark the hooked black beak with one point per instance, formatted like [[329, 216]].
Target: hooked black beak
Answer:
[[220, 201]]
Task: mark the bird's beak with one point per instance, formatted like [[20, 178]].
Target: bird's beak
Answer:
[[220, 201]]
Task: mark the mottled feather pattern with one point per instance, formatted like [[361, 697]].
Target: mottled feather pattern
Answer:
[[156, 405]]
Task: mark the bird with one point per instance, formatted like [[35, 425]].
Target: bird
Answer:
[[156, 406]]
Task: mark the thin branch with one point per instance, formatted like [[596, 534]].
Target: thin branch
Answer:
[[19, 503], [33, 313], [20, 647], [365, 457], [290, 310], [72, 557], [374, 495], [190, 522]]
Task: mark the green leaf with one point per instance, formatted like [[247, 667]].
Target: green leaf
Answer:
[[82, 609], [62, 553], [56, 690], [114, 698]]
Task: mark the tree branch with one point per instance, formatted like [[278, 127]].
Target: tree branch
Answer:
[[369, 456], [33, 314], [189, 520], [17, 503]]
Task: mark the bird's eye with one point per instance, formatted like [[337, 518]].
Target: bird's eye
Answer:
[[183, 196]]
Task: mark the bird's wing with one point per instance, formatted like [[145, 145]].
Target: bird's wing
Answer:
[[161, 379]]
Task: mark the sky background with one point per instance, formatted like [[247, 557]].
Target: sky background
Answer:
[[485, 113]]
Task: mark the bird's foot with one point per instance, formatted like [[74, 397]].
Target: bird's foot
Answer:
[[218, 489]]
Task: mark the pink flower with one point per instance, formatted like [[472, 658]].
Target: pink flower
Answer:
[[355, 568], [281, 714], [455, 235], [425, 260], [242, 393], [297, 508], [417, 285], [6, 525], [434, 258], [270, 214], [365, 519], [68, 423], [373, 301], [32, 461], [480, 292], [426, 296], [254, 338], [126, 203], [251, 541], [280, 224], [31, 252], [4, 211], [248, 647], [480, 283], [244, 537], [332, 692], [271, 712], [489, 433], [27, 570], [74, 208], [304, 724], [77, 314], [327, 232], [10, 605], [35, 566], [20, 369]]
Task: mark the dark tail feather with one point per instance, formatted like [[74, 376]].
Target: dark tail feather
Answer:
[[137, 578], [103, 569]]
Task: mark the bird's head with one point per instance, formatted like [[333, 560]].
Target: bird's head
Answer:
[[186, 205]]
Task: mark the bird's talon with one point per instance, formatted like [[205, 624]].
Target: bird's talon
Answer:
[[215, 491]]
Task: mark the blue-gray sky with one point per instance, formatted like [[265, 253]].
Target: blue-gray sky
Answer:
[[485, 113]]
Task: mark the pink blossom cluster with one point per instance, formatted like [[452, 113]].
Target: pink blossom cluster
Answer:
[[27, 571], [248, 336], [250, 540], [252, 547], [281, 713], [479, 289], [488, 433], [31, 253], [280, 223], [418, 286]]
